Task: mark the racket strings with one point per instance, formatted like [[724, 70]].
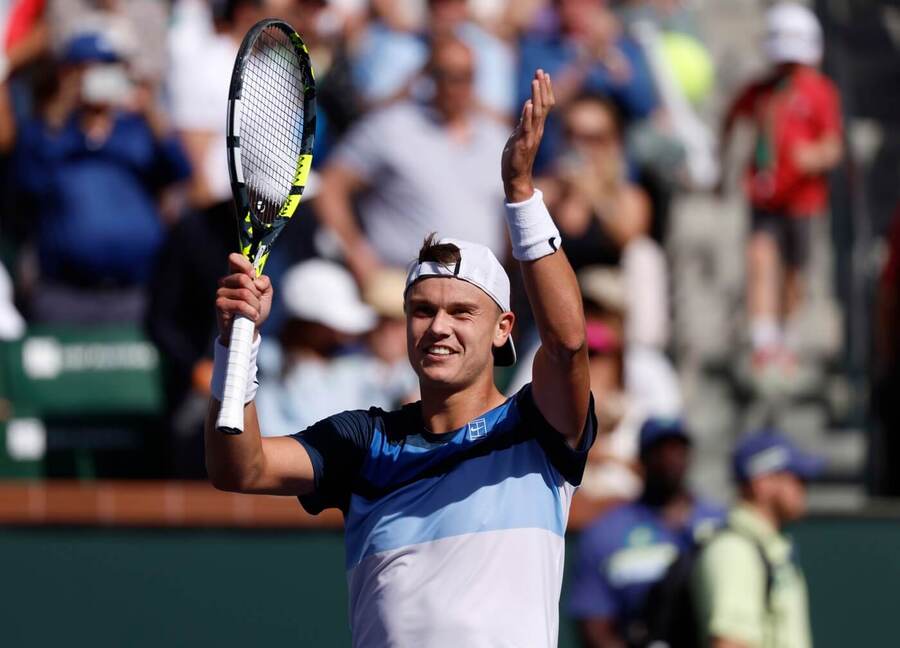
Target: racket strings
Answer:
[[272, 121]]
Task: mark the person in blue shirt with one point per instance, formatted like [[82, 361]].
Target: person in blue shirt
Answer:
[[630, 547], [90, 165], [587, 51]]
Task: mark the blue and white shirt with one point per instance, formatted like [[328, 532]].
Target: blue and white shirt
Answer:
[[453, 539]]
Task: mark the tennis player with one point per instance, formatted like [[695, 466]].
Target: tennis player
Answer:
[[455, 506]]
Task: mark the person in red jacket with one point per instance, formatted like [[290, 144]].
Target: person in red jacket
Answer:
[[797, 118]]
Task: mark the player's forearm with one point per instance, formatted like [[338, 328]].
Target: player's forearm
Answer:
[[234, 462], [551, 287]]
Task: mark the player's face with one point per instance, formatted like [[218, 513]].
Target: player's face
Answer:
[[451, 328]]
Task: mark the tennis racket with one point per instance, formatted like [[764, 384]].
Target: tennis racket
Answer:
[[271, 127]]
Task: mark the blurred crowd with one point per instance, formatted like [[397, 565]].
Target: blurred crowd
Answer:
[[117, 207]]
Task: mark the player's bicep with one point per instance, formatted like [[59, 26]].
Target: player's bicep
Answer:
[[286, 468]]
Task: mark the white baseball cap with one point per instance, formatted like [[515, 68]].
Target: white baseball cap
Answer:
[[793, 35], [324, 292], [478, 266]]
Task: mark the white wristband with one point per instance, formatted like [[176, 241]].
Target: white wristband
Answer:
[[531, 229], [220, 365]]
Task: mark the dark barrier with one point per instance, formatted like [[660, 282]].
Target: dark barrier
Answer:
[[194, 587]]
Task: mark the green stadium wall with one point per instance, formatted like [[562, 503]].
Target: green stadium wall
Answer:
[[193, 587]]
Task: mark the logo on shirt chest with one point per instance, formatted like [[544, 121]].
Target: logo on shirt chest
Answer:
[[477, 429]]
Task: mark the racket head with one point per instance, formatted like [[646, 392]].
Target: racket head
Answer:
[[270, 133]]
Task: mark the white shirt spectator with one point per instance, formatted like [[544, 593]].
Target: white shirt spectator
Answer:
[[202, 61], [421, 180]]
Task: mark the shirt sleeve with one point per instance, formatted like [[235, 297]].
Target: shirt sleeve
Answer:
[[336, 446], [569, 461], [591, 596], [731, 585]]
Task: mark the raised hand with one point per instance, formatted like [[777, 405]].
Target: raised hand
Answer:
[[522, 146]]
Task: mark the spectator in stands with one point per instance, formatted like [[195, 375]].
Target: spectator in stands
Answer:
[[494, 85], [387, 341], [325, 370], [796, 113], [605, 219], [92, 162], [25, 37], [626, 551], [388, 58], [597, 208], [674, 15], [386, 53], [139, 27], [181, 315], [181, 321], [630, 383], [886, 360], [203, 43], [325, 26], [586, 51], [749, 590], [417, 168], [631, 377]]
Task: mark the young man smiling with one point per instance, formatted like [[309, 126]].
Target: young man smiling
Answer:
[[455, 507]]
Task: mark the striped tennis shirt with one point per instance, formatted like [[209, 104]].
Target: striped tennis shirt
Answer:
[[453, 539]]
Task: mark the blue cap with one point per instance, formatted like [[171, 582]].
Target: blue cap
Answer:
[[656, 429], [90, 48], [768, 451]]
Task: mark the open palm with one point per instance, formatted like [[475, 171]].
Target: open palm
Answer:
[[522, 146]]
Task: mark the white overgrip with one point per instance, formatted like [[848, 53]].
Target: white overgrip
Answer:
[[231, 414]]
